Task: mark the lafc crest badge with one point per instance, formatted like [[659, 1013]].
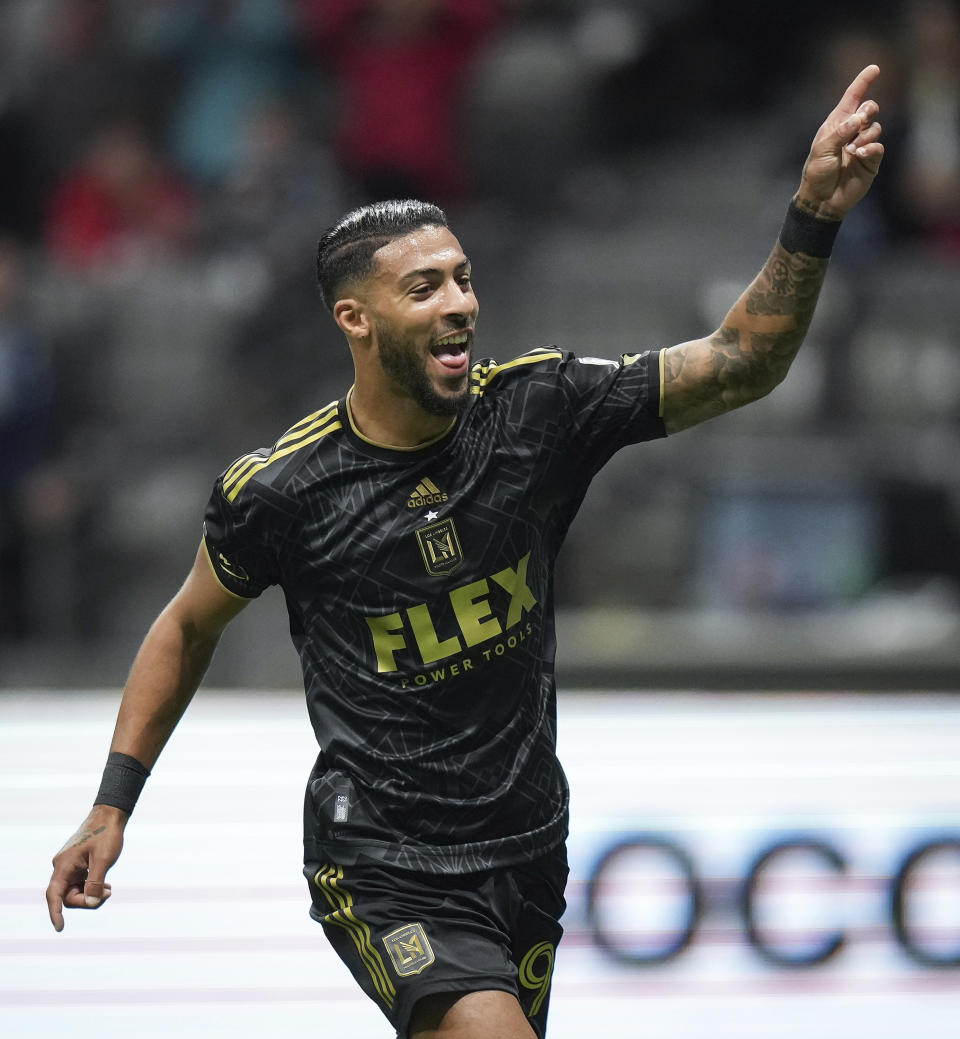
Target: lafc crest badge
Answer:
[[410, 949], [440, 547]]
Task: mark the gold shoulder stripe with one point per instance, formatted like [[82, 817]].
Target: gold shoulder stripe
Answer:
[[310, 422], [239, 469], [483, 375], [329, 880], [240, 481], [304, 426], [325, 410], [238, 464]]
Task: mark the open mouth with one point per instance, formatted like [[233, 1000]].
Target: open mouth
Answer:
[[453, 351]]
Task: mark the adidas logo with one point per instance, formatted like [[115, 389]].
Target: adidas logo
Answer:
[[427, 493]]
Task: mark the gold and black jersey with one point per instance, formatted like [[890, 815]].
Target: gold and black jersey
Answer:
[[419, 588]]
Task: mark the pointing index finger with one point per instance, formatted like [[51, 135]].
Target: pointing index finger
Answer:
[[55, 906], [855, 93]]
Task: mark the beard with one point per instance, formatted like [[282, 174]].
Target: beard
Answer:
[[407, 368]]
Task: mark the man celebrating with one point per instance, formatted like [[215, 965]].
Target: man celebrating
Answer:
[[413, 526]]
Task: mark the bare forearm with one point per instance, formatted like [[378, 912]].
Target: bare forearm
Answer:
[[165, 674], [752, 350], [761, 335]]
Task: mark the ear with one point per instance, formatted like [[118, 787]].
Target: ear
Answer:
[[352, 317]]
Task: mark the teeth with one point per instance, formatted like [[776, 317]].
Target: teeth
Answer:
[[454, 340]]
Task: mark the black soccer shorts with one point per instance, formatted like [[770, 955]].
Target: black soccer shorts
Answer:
[[407, 935]]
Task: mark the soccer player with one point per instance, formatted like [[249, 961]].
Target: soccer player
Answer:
[[413, 527]]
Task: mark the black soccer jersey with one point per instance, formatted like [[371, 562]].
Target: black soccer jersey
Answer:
[[419, 589]]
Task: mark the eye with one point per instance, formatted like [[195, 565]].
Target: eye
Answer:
[[421, 291]]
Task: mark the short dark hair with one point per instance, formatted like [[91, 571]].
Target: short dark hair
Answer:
[[345, 253]]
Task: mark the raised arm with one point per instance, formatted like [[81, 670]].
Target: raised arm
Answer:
[[753, 348], [165, 675]]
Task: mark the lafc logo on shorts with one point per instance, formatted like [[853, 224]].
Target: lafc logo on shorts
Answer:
[[426, 493], [409, 949], [440, 547]]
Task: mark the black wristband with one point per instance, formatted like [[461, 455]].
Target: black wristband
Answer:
[[804, 233], [123, 779]]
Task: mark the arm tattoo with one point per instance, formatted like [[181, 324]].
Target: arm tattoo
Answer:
[[788, 285], [87, 834], [751, 352]]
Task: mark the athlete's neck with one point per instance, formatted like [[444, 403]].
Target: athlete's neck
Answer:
[[397, 424]]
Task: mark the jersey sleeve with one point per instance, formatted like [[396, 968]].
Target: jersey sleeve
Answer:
[[621, 399], [612, 403], [236, 544], [576, 412]]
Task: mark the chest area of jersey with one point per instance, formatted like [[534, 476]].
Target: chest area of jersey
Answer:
[[428, 567], [419, 529]]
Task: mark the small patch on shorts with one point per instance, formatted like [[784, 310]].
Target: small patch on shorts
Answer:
[[410, 949], [341, 811]]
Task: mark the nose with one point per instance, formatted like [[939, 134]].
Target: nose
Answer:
[[461, 306]]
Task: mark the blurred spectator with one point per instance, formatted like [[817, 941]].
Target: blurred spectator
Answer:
[[19, 199], [528, 111], [121, 204], [844, 48], [917, 46], [74, 70], [26, 396], [282, 189], [931, 182], [273, 205], [19, 190], [401, 68], [228, 54]]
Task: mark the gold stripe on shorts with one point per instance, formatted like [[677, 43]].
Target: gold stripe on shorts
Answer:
[[329, 880]]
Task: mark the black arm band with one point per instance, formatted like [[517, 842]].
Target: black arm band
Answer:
[[803, 233], [123, 779]]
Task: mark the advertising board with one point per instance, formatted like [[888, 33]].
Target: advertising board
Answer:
[[740, 866]]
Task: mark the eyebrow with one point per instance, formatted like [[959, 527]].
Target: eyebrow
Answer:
[[432, 272]]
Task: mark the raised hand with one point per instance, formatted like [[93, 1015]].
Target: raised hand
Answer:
[[845, 154]]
